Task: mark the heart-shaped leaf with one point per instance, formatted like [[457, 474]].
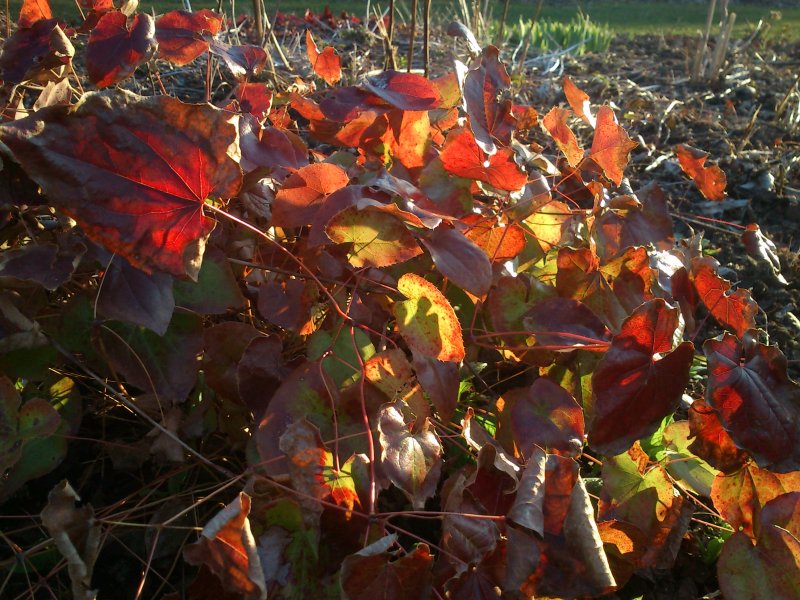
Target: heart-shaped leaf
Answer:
[[326, 64], [180, 34], [611, 146], [114, 50]]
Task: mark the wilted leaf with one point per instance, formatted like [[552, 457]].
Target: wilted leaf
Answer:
[[412, 460], [371, 574], [427, 321], [32, 51], [579, 102], [180, 34], [711, 181], [459, 259], [327, 63], [114, 50], [528, 508], [378, 238], [406, 91], [611, 146], [748, 384], [640, 379], [740, 496], [768, 569], [555, 122], [735, 311], [759, 246], [227, 547], [134, 172], [711, 442], [76, 535], [545, 415], [462, 156], [304, 191], [490, 119]]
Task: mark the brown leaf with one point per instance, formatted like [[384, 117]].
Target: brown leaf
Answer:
[[490, 119], [711, 181], [579, 102], [555, 122]]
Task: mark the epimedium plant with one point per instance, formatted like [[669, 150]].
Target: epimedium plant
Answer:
[[321, 274]]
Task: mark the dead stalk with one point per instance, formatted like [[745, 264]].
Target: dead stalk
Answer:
[[413, 34]]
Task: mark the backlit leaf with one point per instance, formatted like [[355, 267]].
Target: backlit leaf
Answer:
[[500, 242], [611, 146], [378, 238], [640, 379], [748, 384], [735, 311], [555, 122], [133, 172], [406, 91], [31, 51], [740, 496], [179, 34], [327, 63], [711, 180], [33, 11], [243, 61], [115, 50], [579, 101], [412, 460], [711, 442], [298, 200], [427, 321], [462, 156]]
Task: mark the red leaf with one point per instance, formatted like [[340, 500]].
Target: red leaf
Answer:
[[297, 202], [555, 122], [579, 102], [462, 156], [748, 384], [545, 415], [227, 547], [371, 574], [254, 98], [33, 11], [736, 311], [499, 242], [490, 120], [640, 379], [611, 146], [133, 172], [327, 63], [402, 135], [564, 323], [276, 150], [114, 51], [740, 497], [711, 181], [406, 91], [180, 34], [712, 443], [459, 259]]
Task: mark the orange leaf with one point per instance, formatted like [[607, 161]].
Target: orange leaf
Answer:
[[32, 11], [327, 63], [579, 101], [461, 156], [304, 191], [711, 181], [500, 242], [735, 311], [556, 124], [611, 147]]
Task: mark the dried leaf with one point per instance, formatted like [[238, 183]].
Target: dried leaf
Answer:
[[711, 181], [579, 102], [490, 119]]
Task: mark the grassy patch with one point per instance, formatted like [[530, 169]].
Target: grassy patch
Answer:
[[623, 16]]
